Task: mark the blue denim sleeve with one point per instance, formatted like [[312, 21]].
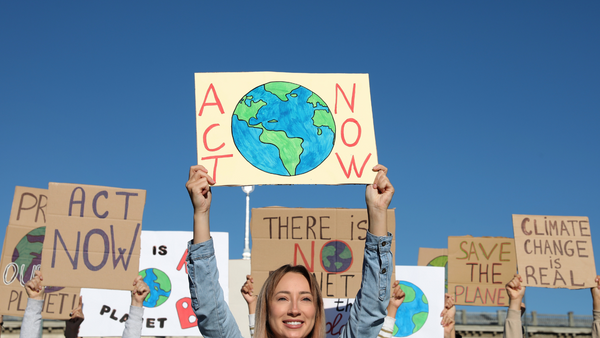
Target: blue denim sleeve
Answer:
[[369, 309], [214, 317]]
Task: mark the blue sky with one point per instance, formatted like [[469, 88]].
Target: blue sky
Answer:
[[481, 109]]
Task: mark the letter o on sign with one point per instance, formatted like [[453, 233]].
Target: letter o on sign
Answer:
[[357, 134]]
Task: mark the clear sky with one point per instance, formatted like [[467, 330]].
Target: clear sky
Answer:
[[481, 109]]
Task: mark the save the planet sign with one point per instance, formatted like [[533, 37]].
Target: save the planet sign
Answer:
[[329, 242], [285, 128]]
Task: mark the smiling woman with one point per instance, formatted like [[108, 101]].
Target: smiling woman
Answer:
[[290, 304]]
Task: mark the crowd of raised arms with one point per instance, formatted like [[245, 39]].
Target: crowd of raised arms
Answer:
[[290, 304]]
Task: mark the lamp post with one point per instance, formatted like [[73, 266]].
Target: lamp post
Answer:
[[247, 189]]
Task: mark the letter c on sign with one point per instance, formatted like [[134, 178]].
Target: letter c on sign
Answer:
[[204, 138], [525, 220]]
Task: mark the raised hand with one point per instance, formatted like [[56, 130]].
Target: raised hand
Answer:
[[139, 292], [35, 286], [77, 312], [596, 294], [448, 315], [198, 187], [378, 197], [396, 299], [249, 295], [72, 325], [516, 292]]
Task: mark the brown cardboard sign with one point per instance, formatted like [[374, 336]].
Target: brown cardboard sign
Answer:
[[555, 251], [22, 256], [93, 236], [479, 268], [329, 242], [434, 257]]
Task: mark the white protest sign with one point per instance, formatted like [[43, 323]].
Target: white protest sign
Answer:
[[167, 312], [419, 314]]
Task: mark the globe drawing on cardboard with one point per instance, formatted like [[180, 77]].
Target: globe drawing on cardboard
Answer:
[[283, 128], [336, 256], [27, 256], [441, 261], [412, 314], [159, 284]]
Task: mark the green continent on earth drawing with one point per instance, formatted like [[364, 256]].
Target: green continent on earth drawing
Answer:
[[27, 256], [283, 128], [412, 314], [159, 284], [336, 256]]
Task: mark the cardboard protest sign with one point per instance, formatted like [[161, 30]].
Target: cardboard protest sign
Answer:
[[94, 236], [479, 268], [22, 256], [167, 310], [555, 251], [285, 128], [419, 314], [329, 242], [434, 257]]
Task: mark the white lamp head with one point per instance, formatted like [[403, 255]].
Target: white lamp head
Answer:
[[248, 189]]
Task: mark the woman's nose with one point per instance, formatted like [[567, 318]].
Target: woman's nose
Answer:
[[294, 310]]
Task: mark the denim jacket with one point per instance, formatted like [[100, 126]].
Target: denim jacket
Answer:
[[366, 315]]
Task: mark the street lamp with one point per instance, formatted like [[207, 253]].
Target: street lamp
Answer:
[[247, 189]]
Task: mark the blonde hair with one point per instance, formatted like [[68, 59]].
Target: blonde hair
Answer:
[[262, 329]]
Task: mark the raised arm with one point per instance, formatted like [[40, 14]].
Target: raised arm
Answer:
[[516, 292], [378, 197], [198, 187], [250, 297], [448, 315], [396, 299], [72, 325], [32, 319], [133, 325], [214, 317], [596, 308], [369, 309]]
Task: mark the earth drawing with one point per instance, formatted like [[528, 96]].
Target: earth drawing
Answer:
[[159, 284], [413, 312], [283, 128], [336, 256], [28, 256], [441, 261]]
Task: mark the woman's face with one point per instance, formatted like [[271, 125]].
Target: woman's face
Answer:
[[292, 308]]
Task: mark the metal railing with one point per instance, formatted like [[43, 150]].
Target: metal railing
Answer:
[[532, 318]]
